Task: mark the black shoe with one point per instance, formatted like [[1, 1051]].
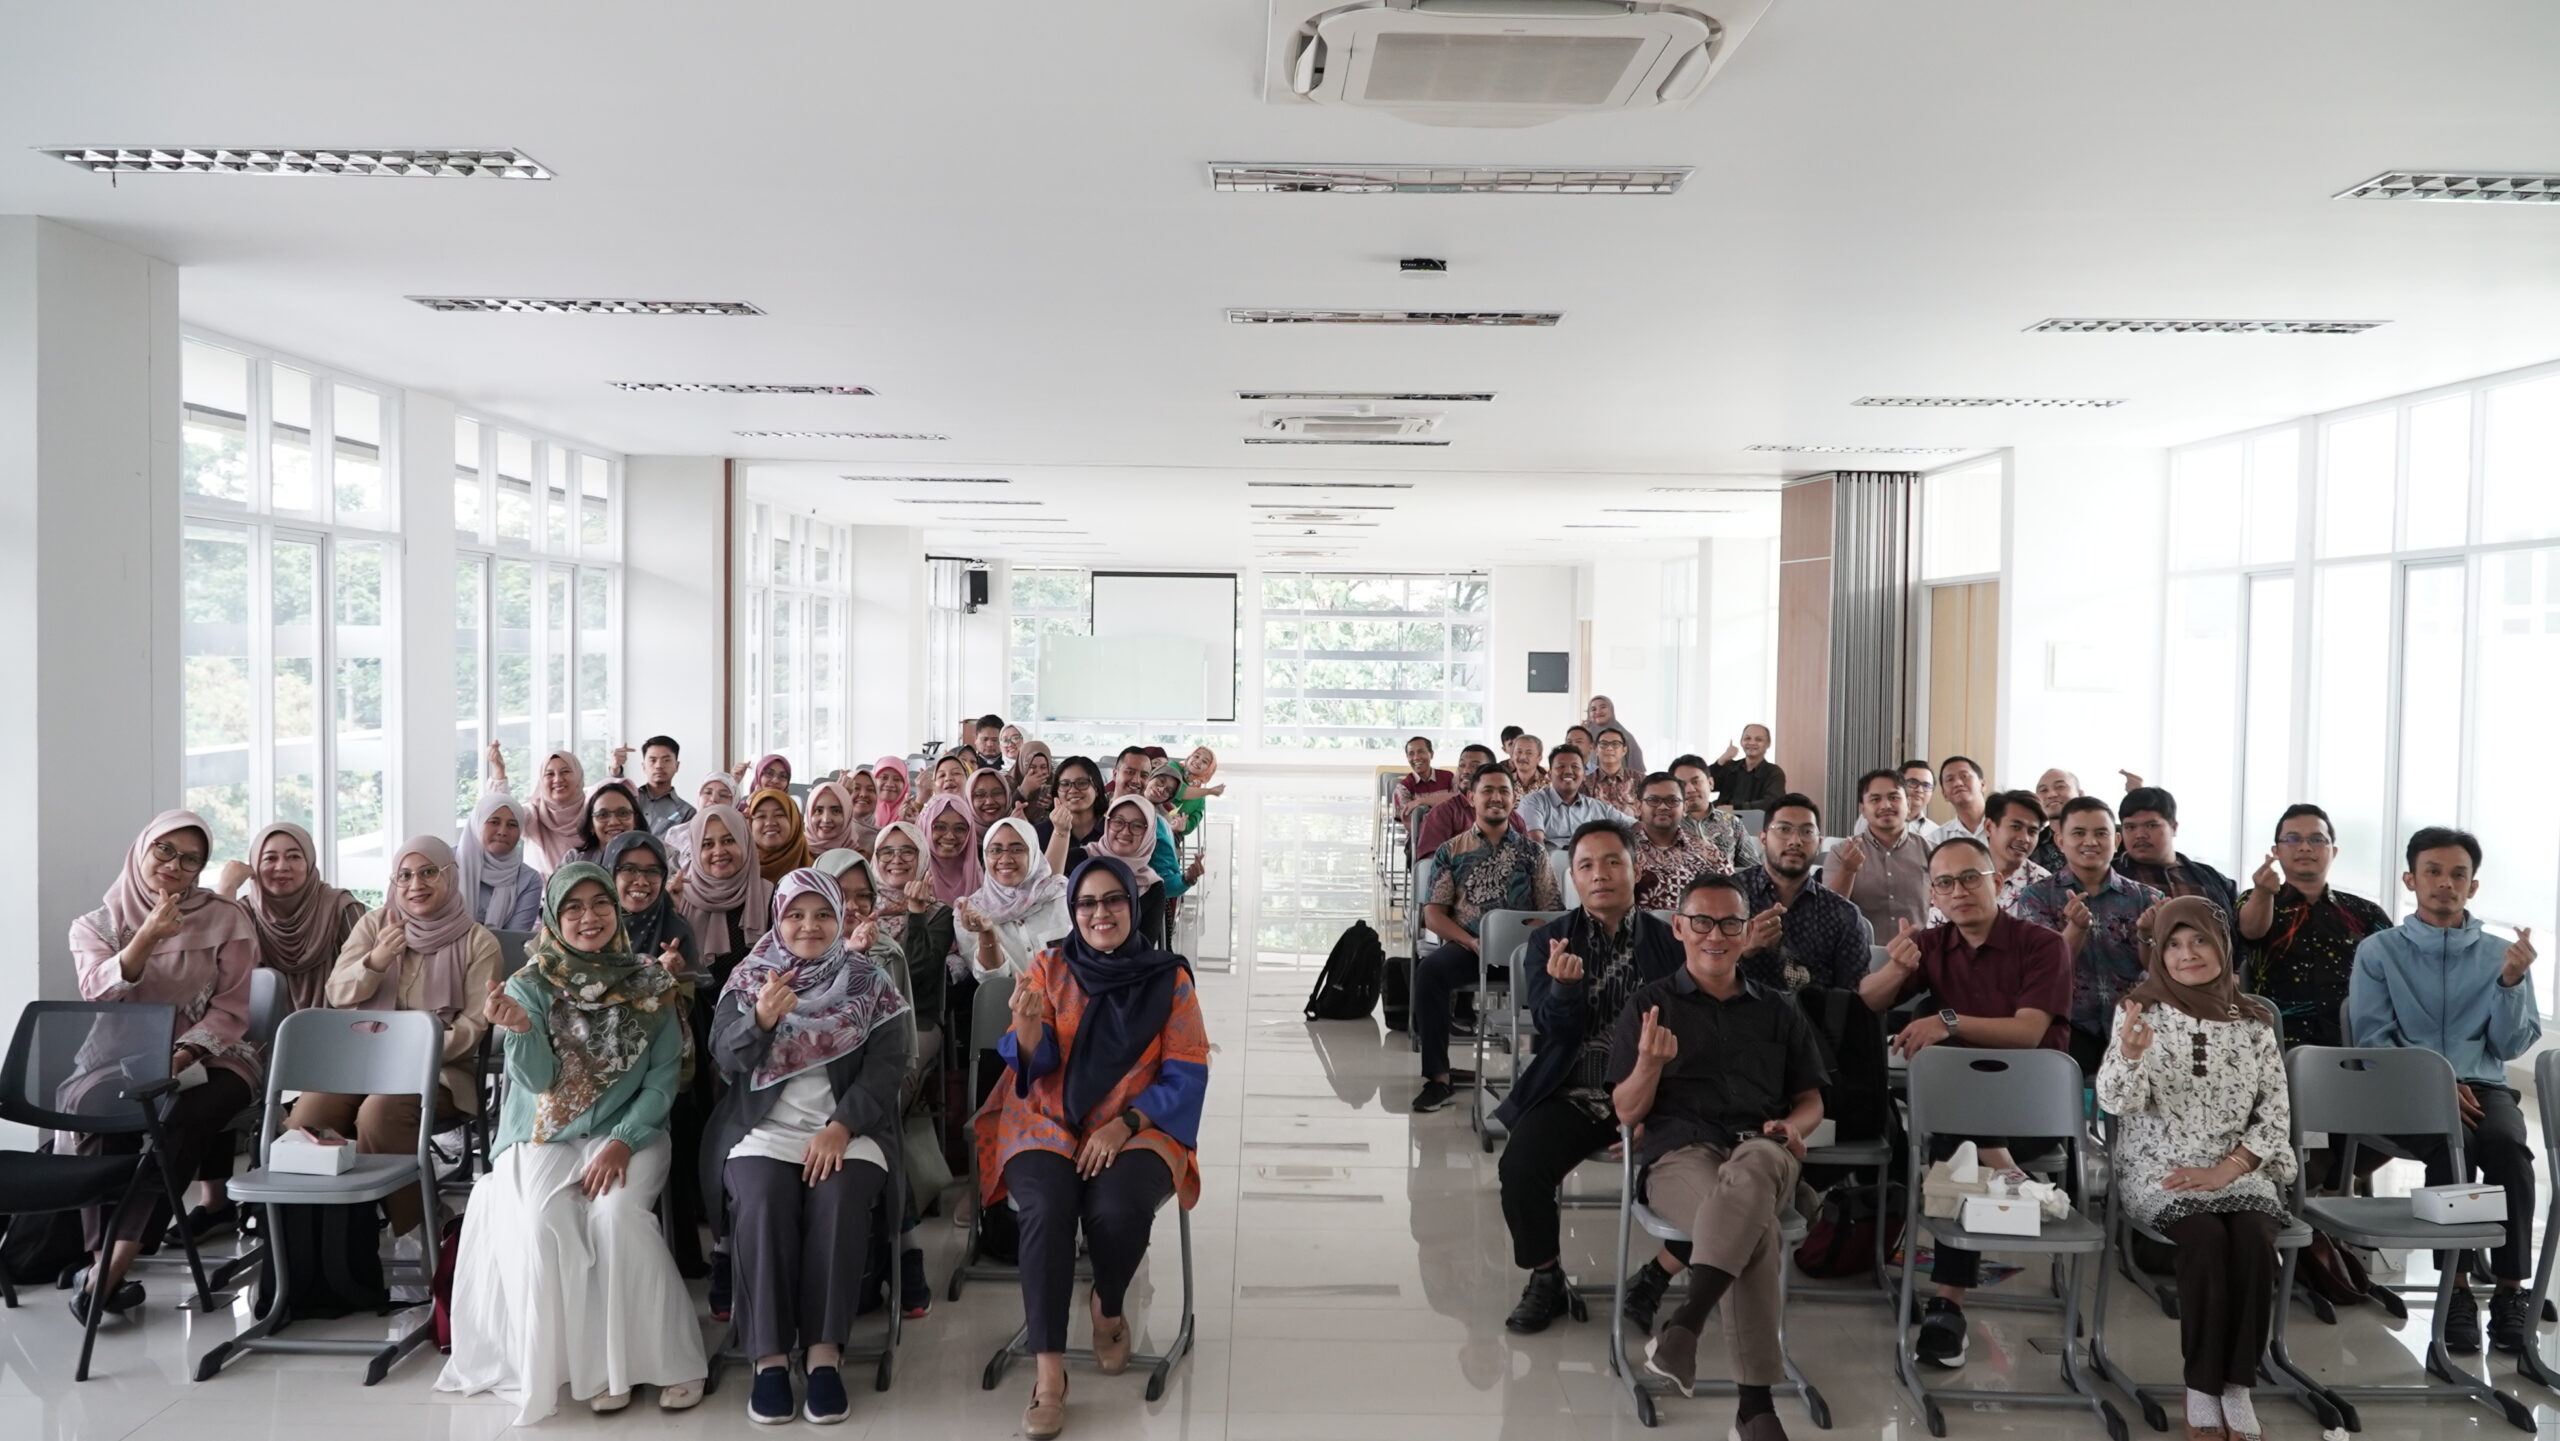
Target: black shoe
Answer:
[[2462, 1323], [1541, 1301], [1433, 1096], [769, 1404], [2511, 1320], [825, 1404], [719, 1286], [1645, 1290], [915, 1293], [203, 1223], [126, 1296], [1941, 1342]]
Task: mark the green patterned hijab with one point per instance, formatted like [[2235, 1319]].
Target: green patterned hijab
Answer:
[[605, 1007]]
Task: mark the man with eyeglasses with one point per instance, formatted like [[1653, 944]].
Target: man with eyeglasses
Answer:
[[2298, 934], [2097, 910], [1721, 1080], [1490, 868], [1577, 973], [1557, 811], [1999, 983], [2149, 820], [1884, 868], [1801, 933], [1668, 855], [1919, 783]]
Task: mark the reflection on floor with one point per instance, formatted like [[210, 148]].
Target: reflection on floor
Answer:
[[1351, 1265]]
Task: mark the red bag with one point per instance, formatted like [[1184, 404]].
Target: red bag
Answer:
[[448, 1251]]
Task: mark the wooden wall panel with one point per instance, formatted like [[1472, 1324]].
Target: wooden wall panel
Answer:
[[1803, 722]]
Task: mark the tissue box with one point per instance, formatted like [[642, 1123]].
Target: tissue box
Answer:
[[2002, 1216], [304, 1155], [2458, 1205]]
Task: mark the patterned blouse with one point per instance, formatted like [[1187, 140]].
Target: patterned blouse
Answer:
[[2170, 1117]]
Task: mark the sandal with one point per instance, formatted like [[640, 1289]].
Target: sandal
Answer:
[[1045, 1417]]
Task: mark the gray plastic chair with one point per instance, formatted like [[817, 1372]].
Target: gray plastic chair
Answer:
[[2546, 1091], [2349, 1091], [889, 1210], [268, 1002], [2032, 1094], [990, 1015], [1752, 821], [1500, 937], [511, 946], [357, 1053]]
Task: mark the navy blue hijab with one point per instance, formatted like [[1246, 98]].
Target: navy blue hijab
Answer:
[[1129, 993]]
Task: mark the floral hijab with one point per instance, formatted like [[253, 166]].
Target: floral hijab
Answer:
[[606, 1007], [843, 995]]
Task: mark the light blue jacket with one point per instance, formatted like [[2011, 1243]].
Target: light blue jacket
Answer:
[[2423, 985]]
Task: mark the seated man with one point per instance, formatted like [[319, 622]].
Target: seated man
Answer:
[[1523, 750], [2298, 933], [1557, 811], [1459, 811], [2439, 981], [1490, 868], [1961, 785], [1801, 934], [2013, 822], [1668, 856], [2001, 984], [1722, 1080], [1884, 868], [1745, 778], [2148, 821], [2054, 789], [1422, 786], [1709, 819], [2098, 913], [1577, 974]]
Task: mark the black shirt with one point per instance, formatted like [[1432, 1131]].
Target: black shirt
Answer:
[[1742, 1062], [1744, 786]]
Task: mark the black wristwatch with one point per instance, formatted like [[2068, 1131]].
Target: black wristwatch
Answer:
[[1131, 1119]]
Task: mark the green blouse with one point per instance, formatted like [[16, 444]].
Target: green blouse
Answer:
[[632, 1110]]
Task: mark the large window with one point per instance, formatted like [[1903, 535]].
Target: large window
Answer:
[[1363, 661], [287, 577], [2364, 612], [1044, 602], [537, 594], [799, 601]]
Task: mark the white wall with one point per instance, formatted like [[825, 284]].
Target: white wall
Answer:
[[1623, 601], [1738, 635], [888, 639], [2080, 599], [675, 653], [1533, 609]]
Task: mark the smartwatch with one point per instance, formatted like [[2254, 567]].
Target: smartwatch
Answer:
[[1131, 1119], [1949, 1019]]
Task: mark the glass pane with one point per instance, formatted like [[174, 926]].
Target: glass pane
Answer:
[[468, 499], [782, 695], [2520, 467], [2356, 485], [595, 668], [2202, 482], [213, 438], [511, 666], [555, 504], [2350, 745], [1960, 522], [289, 439], [2518, 639], [363, 759], [356, 415], [214, 696], [593, 537], [2275, 494], [470, 581], [2200, 729], [2439, 506], [2269, 759], [295, 683], [556, 700], [515, 488], [2430, 697]]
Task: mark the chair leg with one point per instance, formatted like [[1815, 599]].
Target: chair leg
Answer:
[[176, 1191], [98, 1270]]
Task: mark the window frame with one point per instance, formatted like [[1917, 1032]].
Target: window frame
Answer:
[[1304, 736], [801, 531]]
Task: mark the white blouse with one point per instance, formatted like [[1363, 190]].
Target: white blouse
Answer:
[[2170, 1117], [1020, 942]]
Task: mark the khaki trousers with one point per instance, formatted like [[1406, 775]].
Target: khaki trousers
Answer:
[[1730, 1204]]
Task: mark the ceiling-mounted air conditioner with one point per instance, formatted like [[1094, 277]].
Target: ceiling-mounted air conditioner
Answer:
[[1502, 63], [1361, 424]]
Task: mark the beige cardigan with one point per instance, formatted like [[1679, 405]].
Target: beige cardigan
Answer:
[[352, 983]]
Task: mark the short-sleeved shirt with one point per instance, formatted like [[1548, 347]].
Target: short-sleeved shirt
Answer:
[[1453, 817], [1742, 1062], [1410, 785], [2307, 958], [1747, 787], [2017, 967], [1892, 884], [663, 815], [1557, 819], [1821, 935], [2110, 959], [1664, 872], [1470, 878]]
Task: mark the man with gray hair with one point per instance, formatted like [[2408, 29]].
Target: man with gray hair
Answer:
[[2053, 790]]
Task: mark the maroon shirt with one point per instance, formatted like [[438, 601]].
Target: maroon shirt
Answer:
[[1450, 817], [2019, 966]]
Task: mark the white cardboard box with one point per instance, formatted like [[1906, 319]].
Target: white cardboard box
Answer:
[[2458, 1205], [2002, 1216], [299, 1157]]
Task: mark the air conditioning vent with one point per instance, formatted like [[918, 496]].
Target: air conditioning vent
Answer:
[[1243, 179], [1392, 397], [732, 387], [1502, 63], [837, 435], [448, 164], [544, 305], [1984, 402], [1393, 317], [2114, 326], [2419, 185], [1861, 449], [1347, 425]]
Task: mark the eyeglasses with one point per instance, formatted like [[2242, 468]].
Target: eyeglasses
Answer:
[[1078, 784], [1094, 905], [655, 873], [1129, 826], [1670, 800], [1015, 851], [2290, 838], [169, 855], [1948, 885], [418, 877], [579, 910], [623, 814], [1794, 832], [1729, 925]]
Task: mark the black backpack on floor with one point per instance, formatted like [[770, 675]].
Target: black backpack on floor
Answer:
[[333, 1259], [1347, 990]]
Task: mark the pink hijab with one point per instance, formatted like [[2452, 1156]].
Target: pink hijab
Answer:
[[844, 838], [885, 809], [205, 920], [441, 941], [956, 876], [706, 900], [755, 776], [550, 826], [1136, 857]]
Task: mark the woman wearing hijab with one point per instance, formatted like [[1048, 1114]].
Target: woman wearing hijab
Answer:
[[1095, 1121], [1020, 907], [1075, 821], [563, 1276], [829, 819], [1009, 741], [950, 776], [612, 808], [716, 790], [1033, 788], [1199, 770], [1164, 792], [912, 915], [2196, 1080], [637, 861], [889, 777], [722, 896], [421, 952], [302, 920], [990, 800], [556, 812], [1131, 835], [501, 888], [158, 939], [951, 845], [773, 826], [771, 773], [815, 1067], [862, 803]]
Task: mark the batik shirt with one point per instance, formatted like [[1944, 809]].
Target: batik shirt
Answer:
[[1470, 878], [2110, 959], [2307, 957], [1663, 872]]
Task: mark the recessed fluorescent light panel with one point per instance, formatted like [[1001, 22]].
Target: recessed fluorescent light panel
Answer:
[[1586, 525], [493, 164], [2534, 189], [838, 435], [1434, 397], [955, 500], [1663, 510], [1394, 317], [1311, 440], [1985, 402], [541, 305], [1295, 506], [1328, 485], [2117, 326], [1862, 449], [925, 480], [731, 387], [1242, 178]]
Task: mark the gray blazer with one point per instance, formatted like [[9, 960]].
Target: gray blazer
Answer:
[[866, 1082]]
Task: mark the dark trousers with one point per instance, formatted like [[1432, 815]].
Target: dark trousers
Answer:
[[797, 1251], [198, 1123], [2498, 1150], [2226, 1265], [1552, 1138], [1117, 1210], [1437, 979]]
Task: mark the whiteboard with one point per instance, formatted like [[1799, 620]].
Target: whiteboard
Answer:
[[1123, 678], [1171, 605]]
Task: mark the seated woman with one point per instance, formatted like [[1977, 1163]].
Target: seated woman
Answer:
[[1009, 742], [1033, 791], [1199, 783], [950, 777], [555, 813], [815, 1068], [2204, 1149], [1075, 820], [158, 939], [908, 953], [913, 916], [829, 822], [990, 800], [951, 848], [499, 886], [563, 1276], [771, 773], [1094, 1122], [420, 952], [1021, 906], [889, 777], [720, 894], [1130, 836], [1165, 781], [612, 808], [862, 797], [773, 827], [637, 861]]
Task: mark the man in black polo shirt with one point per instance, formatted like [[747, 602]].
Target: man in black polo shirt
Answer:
[[1725, 1080], [1578, 971]]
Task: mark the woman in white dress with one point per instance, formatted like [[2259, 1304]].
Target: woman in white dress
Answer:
[[563, 1276]]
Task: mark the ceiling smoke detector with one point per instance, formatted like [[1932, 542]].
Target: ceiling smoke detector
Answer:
[[1239, 178], [470, 163], [732, 387], [2523, 189], [1244, 316], [544, 305]]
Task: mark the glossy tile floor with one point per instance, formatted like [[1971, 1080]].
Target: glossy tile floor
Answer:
[[1351, 1267]]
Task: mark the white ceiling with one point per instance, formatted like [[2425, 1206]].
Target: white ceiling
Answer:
[[996, 214]]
